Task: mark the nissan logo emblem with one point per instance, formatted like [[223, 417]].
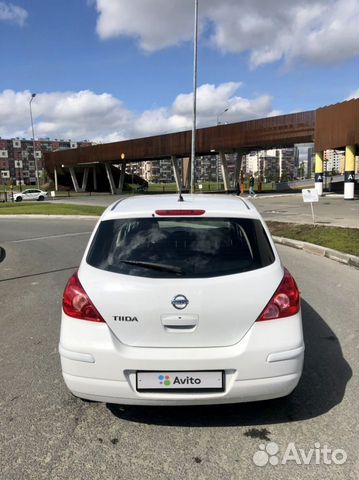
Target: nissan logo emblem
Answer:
[[180, 302]]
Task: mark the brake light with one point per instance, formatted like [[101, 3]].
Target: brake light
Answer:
[[285, 301], [178, 213], [77, 304]]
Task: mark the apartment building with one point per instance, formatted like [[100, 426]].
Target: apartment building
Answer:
[[17, 158], [161, 171], [334, 161], [272, 165], [207, 169]]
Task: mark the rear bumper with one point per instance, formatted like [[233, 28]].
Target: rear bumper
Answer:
[[239, 391], [267, 363]]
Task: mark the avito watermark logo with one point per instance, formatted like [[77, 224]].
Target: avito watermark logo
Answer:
[[270, 454], [167, 381]]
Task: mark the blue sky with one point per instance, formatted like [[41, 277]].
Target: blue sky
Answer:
[[112, 69]]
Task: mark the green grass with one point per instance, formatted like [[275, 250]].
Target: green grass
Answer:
[[48, 209], [344, 240]]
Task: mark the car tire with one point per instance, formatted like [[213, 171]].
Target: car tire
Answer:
[[18, 199], [41, 198]]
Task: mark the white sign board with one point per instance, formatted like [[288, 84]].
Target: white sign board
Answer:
[[310, 195], [53, 193]]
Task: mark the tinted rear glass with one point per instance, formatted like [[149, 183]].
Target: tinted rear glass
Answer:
[[180, 247]]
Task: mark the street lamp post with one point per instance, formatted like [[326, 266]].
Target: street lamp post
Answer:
[[19, 177], [33, 95], [220, 114], [195, 41]]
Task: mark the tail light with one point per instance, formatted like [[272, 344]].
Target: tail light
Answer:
[[179, 213], [285, 301], [77, 304]]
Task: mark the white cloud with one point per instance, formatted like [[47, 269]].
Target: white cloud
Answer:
[[209, 97], [75, 115], [319, 31], [86, 115], [144, 20], [354, 94], [12, 13], [211, 102]]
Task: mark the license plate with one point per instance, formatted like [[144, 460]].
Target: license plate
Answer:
[[169, 381]]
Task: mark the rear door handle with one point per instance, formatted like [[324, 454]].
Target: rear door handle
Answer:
[[179, 323]]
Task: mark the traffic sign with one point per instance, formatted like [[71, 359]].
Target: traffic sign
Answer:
[[310, 195]]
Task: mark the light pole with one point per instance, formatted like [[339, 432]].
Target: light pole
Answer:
[[195, 41], [33, 95], [220, 114]]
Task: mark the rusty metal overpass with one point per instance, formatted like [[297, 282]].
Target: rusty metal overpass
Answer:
[[331, 127]]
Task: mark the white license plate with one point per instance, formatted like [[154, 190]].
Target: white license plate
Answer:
[[164, 381]]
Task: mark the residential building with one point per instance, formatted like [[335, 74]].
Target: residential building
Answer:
[[17, 158], [273, 164], [334, 161]]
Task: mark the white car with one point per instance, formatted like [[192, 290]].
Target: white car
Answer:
[[181, 303], [30, 194]]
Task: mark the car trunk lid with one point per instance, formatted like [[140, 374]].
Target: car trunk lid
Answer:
[[177, 312]]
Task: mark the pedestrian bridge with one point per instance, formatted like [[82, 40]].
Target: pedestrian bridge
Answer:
[[331, 127]]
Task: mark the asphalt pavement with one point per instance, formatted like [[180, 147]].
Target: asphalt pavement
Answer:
[[46, 433], [331, 209]]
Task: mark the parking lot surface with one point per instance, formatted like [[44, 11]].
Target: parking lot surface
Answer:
[[48, 434]]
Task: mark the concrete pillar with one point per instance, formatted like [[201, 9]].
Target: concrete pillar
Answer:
[[224, 170], [238, 167], [110, 178], [84, 179], [122, 177], [74, 179], [176, 173], [280, 153], [349, 173], [318, 169], [186, 172], [94, 179], [55, 179]]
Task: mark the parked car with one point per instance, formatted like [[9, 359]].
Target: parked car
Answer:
[[181, 302], [30, 194]]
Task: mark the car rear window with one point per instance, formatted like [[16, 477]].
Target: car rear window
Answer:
[[180, 247]]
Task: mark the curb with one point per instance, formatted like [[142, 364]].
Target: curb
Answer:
[[335, 255]]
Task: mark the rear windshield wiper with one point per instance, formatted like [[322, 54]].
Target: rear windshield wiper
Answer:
[[155, 266]]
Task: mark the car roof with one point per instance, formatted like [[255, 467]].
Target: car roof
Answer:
[[214, 205]]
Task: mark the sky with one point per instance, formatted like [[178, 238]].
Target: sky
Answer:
[[108, 70]]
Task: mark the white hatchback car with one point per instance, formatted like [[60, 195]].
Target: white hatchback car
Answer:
[[180, 303], [30, 194]]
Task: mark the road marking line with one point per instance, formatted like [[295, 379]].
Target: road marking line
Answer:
[[48, 237], [37, 274]]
